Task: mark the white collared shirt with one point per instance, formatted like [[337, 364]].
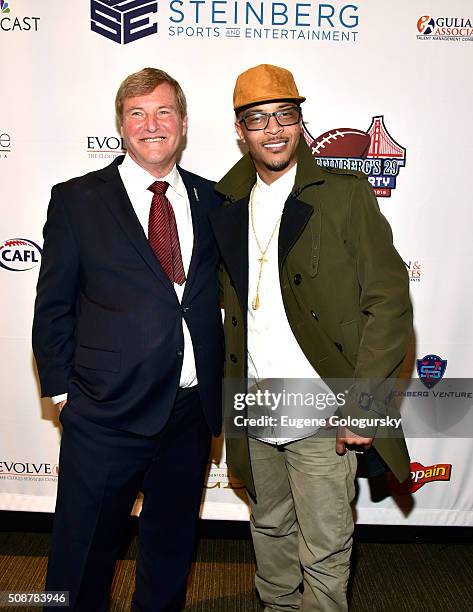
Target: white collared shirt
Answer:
[[136, 181], [273, 351]]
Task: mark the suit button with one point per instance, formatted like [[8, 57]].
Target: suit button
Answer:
[[233, 358], [339, 346], [297, 279], [179, 353], [234, 322], [314, 315], [185, 308]]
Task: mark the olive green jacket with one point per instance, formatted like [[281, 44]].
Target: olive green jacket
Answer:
[[344, 288]]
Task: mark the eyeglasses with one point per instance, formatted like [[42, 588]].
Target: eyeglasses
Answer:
[[259, 121]]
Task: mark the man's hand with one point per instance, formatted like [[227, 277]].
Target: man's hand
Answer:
[[61, 404], [346, 437]]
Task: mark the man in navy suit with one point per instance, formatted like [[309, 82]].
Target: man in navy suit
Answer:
[[128, 342]]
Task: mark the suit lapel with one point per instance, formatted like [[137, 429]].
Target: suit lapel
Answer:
[[230, 225], [192, 189], [296, 215], [114, 194]]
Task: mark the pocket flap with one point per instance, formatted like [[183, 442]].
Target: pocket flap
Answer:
[[98, 359]]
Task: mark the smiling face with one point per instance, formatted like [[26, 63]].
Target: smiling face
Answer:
[[153, 129], [274, 149]]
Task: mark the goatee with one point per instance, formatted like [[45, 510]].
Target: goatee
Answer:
[[277, 166]]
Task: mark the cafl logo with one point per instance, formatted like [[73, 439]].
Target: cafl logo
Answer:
[[431, 369], [19, 254], [419, 476], [454, 29], [124, 21], [374, 152]]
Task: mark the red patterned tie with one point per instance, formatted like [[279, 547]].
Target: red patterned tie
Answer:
[[162, 234]]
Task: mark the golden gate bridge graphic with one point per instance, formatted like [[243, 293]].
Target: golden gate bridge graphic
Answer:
[[374, 152], [384, 147]]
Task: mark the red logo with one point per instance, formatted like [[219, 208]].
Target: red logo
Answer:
[[420, 475], [374, 152]]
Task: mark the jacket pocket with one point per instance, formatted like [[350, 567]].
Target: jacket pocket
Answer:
[[98, 359], [350, 339]]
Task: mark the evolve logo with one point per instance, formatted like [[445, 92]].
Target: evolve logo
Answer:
[[454, 29], [123, 21], [103, 147], [19, 254], [419, 476], [431, 369], [5, 145], [20, 24], [414, 270], [13, 470], [374, 152]]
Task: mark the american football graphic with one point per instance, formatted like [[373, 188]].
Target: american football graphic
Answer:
[[341, 142]]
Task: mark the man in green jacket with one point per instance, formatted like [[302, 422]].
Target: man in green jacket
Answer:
[[313, 287]]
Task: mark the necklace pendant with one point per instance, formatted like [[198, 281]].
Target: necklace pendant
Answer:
[[255, 304]]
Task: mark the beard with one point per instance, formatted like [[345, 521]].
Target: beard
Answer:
[[277, 166]]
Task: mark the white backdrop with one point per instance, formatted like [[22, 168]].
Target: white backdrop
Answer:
[[353, 62]]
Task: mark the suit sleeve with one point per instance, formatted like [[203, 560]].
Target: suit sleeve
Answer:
[[54, 321], [385, 303]]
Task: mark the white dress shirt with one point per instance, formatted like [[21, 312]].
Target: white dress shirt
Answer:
[[273, 351], [136, 181]]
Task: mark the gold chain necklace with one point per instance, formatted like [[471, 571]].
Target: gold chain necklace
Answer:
[[262, 260]]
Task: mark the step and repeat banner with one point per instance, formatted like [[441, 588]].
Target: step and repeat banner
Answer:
[[389, 89]]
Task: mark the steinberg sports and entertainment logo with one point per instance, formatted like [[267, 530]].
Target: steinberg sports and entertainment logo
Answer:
[[16, 24], [19, 254], [124, 21], [454, 29], [374, 152]]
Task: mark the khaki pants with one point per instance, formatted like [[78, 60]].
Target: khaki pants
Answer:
[[302, 524]]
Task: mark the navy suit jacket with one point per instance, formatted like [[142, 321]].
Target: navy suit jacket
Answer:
[[108, 324]]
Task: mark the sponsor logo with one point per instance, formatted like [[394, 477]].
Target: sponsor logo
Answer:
[[218, 477], [19, 254], [455, 29], [414, 270], [374, 152], [16, 24], [124, 21], [102, 147], [5, 145], [431, 369], [24, 470], [419, 476]]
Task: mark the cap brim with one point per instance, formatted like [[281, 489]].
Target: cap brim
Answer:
[[264, 99]]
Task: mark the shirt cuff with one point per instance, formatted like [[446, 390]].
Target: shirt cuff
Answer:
[[56, 399]]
